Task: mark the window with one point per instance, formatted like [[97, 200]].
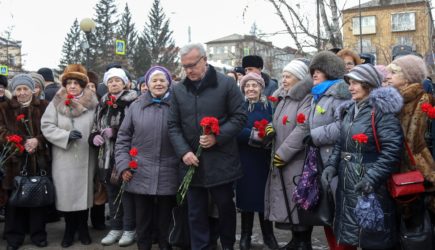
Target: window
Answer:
[[366, 46], [233, 49], [211, 50], [219, 50], [226, 49], [368, 25], [404, 40], [403, 21]]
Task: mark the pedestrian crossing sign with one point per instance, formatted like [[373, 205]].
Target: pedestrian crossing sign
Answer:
[[4, 70], [120, 47]]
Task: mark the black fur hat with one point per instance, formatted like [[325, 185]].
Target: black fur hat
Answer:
[[4, 81], [329, 63], [252, 61]]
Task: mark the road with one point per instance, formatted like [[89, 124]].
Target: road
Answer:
[[55, 233]]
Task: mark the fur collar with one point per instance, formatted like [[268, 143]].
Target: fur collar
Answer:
[[13, 102], [209, 81], [297, 92], [87, 102], [126, 97], [384, 99], [412, 92]]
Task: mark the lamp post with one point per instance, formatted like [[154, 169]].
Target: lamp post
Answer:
[[87, 25]]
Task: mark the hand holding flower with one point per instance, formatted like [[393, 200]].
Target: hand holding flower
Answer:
[[127, 175], [190, 159], [31, 144], [207, 141]]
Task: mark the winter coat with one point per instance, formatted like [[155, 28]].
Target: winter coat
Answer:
[[73, 161], [109, 116], [324, 119], [414, 124], [270, 85], [288, 145], [9, 125], [50, 91], [217, 96], [145, 127], [378, 166], [255, 162]]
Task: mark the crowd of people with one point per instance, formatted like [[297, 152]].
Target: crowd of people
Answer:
[[130, 147]]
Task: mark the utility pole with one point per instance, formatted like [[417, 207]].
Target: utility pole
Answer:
[[318, 24]]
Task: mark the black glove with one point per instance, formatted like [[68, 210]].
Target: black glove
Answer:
[[308, 140], [74, 135], [327, 175], [363, 187]]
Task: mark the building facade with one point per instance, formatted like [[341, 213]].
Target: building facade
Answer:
[[389, 24], [230, 50], [10, 54]]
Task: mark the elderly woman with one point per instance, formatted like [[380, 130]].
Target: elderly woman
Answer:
[[255, 160], [407, 73], [371, 106], [350, 58], [39, 85], [108, 118], [155, 183], [19, 219], [67, 124], [293, 98]]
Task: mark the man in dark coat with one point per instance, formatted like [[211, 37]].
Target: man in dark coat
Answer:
[[205, 92], [51, 87], [254, 63]]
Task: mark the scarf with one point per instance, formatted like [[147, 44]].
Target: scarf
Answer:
[[318, 90], [159, 100]]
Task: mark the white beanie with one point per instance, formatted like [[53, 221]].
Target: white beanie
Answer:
[[115, 72], [297, 68]]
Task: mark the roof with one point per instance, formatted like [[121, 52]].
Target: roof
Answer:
[[10, 43], [226, 38], [384, 3], [237, 37]]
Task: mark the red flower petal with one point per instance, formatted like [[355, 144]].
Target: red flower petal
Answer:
[[132, 164], [133, 152], [425, 107], [67, 102], [272, 98], [360, 138], [300, 118], [431, 113], [20, 117], [284, 120]]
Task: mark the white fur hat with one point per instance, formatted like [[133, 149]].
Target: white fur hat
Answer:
[[115, 72]]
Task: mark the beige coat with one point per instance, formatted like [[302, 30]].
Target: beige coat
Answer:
[[73, 163]]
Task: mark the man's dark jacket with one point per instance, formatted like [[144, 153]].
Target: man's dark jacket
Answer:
[[217, 96]]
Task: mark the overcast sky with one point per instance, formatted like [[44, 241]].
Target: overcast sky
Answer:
[[42, 25]]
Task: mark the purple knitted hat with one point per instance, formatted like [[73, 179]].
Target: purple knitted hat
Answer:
[[158, 69]]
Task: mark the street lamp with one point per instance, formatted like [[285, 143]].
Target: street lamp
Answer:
[[87, 25]]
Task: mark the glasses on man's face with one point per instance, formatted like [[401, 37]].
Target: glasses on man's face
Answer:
[[188, 66]]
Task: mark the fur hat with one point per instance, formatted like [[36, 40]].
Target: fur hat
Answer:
[[93, 77], [22, 79], [413, 68], [329, 63], [252, 61], [4, 81], [47, 74], [155, 70], [77, 72], [240, 70], [365, 73], [251, 76], [297, 68], [38, 79], [115, 72]]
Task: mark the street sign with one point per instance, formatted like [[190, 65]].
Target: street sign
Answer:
[[120, 47], [4, 70]]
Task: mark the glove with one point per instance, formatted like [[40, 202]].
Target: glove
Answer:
[[270, 134], [107, 132], [328, 174], [278, 162], [98, 140], [74, 135], [363, 187], [308, 140]]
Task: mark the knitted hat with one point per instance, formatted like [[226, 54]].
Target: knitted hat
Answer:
[[240, 70], [413, 68], [77, 72], [251, 76], [365, 73], [156, 70], [252, 61], [22, 79], [382, 69], [297, 68], [46, 73], [4, 81], [38, 79], [329, 63], [115, 72]]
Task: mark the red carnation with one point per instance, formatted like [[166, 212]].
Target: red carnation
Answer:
[[431, 113], [210, 125], [112, 98], [133, 152], [69, 96], [132, 164], [261, 133], [425, 107], [360, 138], [109, 103], [20, 148], [300, 118], [67, 102], [284, 120], [14, 139], [20, 117], [272, 98]]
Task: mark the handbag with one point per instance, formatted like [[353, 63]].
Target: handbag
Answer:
[[179, 234], [32, 191], [417, 237]]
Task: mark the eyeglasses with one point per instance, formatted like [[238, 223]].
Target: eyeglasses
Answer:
[[188, 66], [350, 64]]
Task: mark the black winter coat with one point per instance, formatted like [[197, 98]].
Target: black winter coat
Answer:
[[377, 165], [217, 96]]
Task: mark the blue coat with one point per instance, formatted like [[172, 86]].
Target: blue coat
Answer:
[[255, 163]]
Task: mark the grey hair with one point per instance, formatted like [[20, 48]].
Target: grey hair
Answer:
[[189, 47]]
